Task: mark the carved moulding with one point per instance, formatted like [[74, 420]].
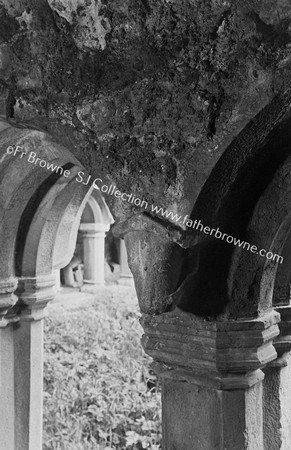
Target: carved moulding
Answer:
[[282, 343], [34, 294], [7, 301], [224, 355]]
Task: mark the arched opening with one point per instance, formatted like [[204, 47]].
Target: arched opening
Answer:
[[39, 208], [42, 213], [227, 202], [248, 196], [39, 213], [99, 257], [42, 210], [89, 251], [253, 275], [282, 287]]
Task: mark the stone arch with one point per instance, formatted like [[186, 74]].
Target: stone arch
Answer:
[[229, 367], [227, 201], [27, 189], [38, 210], [282, 287], [243, 325], [96, 210], [269, 229], [95, 222], [54, 221]]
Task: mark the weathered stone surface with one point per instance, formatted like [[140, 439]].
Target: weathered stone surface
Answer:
[[174, 101], [7, 299], [226, 355], [198, 418], [183, 103], [150, 86]]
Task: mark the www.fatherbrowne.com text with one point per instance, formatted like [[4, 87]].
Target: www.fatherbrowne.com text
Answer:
[[174, 217], [98, 184]]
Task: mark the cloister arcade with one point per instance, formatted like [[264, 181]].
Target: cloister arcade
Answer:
[[187, 105], [226, 374], [40, 219], [95, 223]]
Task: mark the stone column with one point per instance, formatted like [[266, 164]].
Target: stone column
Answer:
[[211, 379], [58, 279], [94, 251], [7, 407], [277, 393], [34, 294], [125, 273]]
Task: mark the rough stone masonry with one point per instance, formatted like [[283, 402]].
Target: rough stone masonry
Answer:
[[149, 95]]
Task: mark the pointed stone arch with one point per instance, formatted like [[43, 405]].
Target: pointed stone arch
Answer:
[[95, 222], [40, 211]]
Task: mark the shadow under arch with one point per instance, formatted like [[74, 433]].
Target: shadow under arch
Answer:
[[227, 201], [253, 275], [282, 287]]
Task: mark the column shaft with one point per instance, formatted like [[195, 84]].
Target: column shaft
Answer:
[[34, 293], [125, 271], [94, 252], [7, 410], [28, 353], [202, 418], [7, 394], [277, 393]]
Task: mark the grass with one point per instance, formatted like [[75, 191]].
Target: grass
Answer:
[[96, 379]]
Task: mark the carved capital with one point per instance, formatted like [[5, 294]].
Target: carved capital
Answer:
[[222, 354], [34, 295], [157, 225], [94, 229], [282, 343], [7, 300]]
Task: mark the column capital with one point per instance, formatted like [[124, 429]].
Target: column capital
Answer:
[[94, 229], [7, 300], [34, 294], [221, 354], [282, 343]]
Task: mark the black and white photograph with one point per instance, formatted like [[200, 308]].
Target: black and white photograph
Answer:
[[145, 224]]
